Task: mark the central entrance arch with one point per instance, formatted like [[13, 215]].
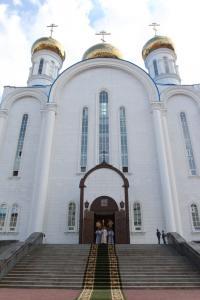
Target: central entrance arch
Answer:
[[104, 208]]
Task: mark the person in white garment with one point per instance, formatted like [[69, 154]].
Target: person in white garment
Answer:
[[110, 236], [104, 235]]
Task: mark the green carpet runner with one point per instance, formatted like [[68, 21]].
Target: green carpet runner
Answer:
[[102, 279]]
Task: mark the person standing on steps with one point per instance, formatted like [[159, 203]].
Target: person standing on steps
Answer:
[[110, 236], [104, 234], [158, 235], [98, 234], [163, 237]]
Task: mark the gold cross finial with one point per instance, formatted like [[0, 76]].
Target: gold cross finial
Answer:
[[52, 26], [154, 25], [103, 33]]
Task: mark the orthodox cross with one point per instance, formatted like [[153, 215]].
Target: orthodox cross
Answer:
[[52, 26], [103, 33], [154, 25]]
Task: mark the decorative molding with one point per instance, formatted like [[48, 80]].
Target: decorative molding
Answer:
[[3, 113]]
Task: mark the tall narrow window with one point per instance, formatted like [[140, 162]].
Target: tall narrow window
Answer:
[[20, 145], [137, 216], [188, 144], [155, 67], [41, 66], [195, 217], [71, 216], [84, 140], [123, 133], [3, 212], [14, 217], [166, 64], [103, 127]]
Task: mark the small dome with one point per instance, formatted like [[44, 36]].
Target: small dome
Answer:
[[102, 50], [156, 42], [48, 43]]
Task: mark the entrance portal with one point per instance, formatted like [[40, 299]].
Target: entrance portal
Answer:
[[104, 205], [104, 211], [101, 220]]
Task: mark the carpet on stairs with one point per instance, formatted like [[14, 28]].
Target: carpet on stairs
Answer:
[[102, 277]]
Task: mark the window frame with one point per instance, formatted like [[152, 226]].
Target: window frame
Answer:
[[141, 217], [104, 135], [123, 135], [20, 145], [41, 66], [85, 136], [17, 220], [4, 227], [155, 67], [73, 228], [185, 141], [194, 229]]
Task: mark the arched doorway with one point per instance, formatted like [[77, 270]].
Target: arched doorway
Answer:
[[104, 209]]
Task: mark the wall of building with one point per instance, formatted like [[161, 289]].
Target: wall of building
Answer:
[[123, 89], [188, 186], [18, 189]]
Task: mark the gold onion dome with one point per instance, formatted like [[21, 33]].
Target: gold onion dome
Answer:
[[103, 50], [48, 43], [157, 42]]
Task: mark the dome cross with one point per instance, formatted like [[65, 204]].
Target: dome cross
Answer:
[[103, 33], [154, 25], [52, 26]]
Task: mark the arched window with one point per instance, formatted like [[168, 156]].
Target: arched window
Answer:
[[166, 64], [71, 216], [195, 217], [84, 140], [3, 213], [14, 215], [188, 144], [137, 216], [41, 66], [123, 133], [155, 67], [103, 127], [20, 145]]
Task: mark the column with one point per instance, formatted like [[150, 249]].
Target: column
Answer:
[[177, 211], [42, 170], [164, 172]]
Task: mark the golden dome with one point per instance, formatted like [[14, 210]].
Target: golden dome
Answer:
[[102, 50], [48, 43], [156, 42]]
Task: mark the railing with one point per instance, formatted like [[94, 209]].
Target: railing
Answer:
[[189, 249], [9, 258]]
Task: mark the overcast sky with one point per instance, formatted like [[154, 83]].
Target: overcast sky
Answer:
[[24, 21]]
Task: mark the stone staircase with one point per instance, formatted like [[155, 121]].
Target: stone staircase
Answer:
[[141, 266], [155, 266], [50, 266]]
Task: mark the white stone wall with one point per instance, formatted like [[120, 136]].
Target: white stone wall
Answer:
[[188, 186], [19, 189], [77, 87], [123, 89]]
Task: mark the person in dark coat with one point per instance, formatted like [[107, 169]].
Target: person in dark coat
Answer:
[[163, 237], [158, 235]]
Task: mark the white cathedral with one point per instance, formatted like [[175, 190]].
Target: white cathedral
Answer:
[[102, 143]]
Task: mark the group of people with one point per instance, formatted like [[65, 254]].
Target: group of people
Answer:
[[161, 235], [104, 235]]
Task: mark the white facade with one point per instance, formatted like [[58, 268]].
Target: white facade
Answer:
[[163, 178]]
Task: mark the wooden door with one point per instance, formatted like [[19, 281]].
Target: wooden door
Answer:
[[120, 227], [88, 227]]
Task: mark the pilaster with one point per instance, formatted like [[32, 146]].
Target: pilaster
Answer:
[[42, 169]]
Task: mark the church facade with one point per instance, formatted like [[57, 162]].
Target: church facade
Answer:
[[104, 143]]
